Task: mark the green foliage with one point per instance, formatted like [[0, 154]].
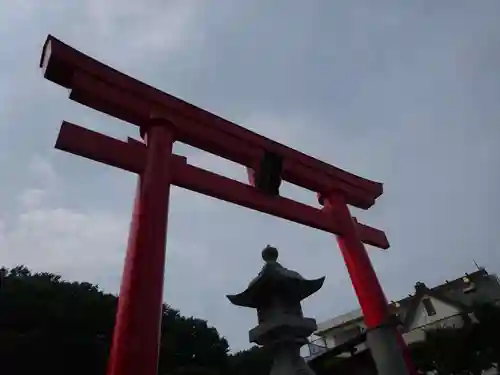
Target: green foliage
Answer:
[[470, 349], [51, 326], [254, 361], [485, 335], [195, 370]]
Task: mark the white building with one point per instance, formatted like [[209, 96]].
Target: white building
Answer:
[[445, 305]]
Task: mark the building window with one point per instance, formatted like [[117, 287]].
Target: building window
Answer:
[[429, 307], [470, 288]]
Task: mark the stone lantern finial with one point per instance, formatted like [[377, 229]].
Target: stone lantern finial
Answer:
[[270, 254]]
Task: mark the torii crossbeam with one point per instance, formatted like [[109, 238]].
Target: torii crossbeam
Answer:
[[163, 120]]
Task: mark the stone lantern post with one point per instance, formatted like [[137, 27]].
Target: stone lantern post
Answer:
[[277, 293]]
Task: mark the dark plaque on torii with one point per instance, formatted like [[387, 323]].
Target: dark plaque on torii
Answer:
[[277, 293]]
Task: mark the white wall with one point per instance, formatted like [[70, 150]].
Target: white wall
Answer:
[[414, 336], [329, 339], [443, 311], [340, 335]]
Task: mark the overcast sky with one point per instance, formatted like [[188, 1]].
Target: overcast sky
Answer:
[[402, 92]]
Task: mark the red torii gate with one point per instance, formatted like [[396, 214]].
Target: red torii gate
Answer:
[[164, 119]]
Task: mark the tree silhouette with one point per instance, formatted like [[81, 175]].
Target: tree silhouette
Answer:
[[253, 361], [52, 326], [470, 349]]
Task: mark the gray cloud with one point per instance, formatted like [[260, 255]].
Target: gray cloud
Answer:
[[401, 92]]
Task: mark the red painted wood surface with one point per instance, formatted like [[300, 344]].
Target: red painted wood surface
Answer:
[[136, 336], [364, 280], [131, 156], [105, 89]]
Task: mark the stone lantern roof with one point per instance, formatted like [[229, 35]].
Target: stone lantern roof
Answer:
[[273, 281]]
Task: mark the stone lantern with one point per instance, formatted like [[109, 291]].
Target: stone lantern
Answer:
[[277, 293]]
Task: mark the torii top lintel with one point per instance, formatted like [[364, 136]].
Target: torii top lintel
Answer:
[[105, 89]]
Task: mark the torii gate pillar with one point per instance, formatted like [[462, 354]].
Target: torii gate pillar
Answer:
[[388, 349], [135, 347]]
